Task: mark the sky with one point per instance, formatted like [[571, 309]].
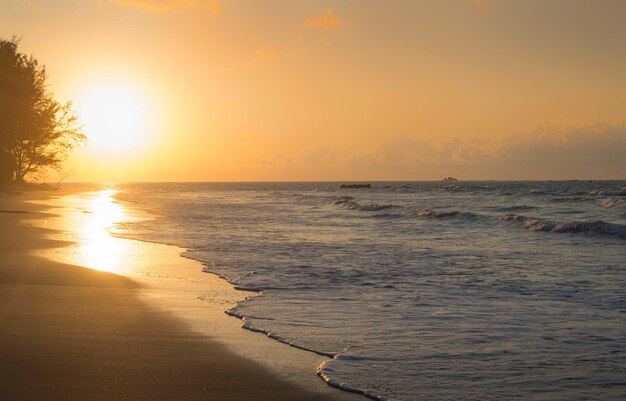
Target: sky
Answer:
[[240, 90]]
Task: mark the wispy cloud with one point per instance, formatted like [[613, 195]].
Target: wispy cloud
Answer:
[[161, 6], [594, 151], [550, 151], [326, 22], [588, 145]]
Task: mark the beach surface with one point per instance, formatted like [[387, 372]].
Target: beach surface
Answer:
[[70, 332]]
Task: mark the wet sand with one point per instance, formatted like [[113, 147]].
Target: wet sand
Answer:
[[68, 332]]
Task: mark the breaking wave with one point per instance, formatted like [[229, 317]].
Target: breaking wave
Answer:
[[436, 214], [621, 192], [348, 203], [589, 227]]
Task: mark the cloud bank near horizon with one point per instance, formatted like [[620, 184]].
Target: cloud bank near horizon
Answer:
[[594, 151]]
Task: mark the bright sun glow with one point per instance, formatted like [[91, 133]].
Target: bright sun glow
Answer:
[[114, 118]]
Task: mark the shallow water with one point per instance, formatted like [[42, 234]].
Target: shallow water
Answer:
[[437, 291]]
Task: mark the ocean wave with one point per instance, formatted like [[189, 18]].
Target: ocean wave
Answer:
[[576, 196], [589, 227], [342, 199], [465, 187], [621, 192], [515, 208], [538, 192], [449, 188], [287, 194], [435, 213], [614, 203], [348, 203], [389, 215], [570, 198]]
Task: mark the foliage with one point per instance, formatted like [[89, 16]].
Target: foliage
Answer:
[[36, 131]]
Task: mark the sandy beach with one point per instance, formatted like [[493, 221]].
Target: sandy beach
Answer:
[[69, 332]]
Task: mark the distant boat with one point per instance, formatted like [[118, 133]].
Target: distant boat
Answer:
[[355, 186], [450, 179]]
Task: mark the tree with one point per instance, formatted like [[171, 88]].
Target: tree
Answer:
[[36, 131]]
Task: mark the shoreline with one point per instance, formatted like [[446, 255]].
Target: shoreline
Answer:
[[245, 356]]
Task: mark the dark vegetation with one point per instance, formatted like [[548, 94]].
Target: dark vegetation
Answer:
[[36, 131]]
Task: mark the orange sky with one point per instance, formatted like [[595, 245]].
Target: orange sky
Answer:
[[341, 90]]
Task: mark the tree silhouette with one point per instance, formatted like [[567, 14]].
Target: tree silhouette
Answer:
[[36, 131]]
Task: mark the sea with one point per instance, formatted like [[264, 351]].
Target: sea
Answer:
[[446, 290]]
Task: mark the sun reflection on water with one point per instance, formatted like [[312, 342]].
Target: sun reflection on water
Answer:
[[97, 249]]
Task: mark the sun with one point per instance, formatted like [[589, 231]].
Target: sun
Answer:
[[113, 117]]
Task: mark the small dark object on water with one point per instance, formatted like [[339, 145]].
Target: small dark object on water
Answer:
[[450, 179], [355, 186]]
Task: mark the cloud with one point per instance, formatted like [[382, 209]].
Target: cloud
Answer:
[[589, 145], [161, 6], [326, 22], [592, 151], [550, 151]]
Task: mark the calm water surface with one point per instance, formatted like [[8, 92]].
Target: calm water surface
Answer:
[[421, 291]]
